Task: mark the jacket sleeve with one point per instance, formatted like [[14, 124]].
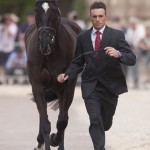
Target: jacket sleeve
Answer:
[[128, 56], [77, 64]]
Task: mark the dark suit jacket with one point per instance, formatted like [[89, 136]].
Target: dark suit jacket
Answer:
[[105, 69]]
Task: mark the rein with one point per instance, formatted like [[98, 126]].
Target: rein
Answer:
[[86, 54], [81, 56]]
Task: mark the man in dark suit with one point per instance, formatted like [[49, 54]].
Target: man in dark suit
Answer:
[[102, 50]]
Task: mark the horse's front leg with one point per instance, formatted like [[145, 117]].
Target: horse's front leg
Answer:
[[65, 100], [44, 129], [58, 138], [40, 139]]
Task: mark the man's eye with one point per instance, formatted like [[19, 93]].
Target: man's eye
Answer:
[[94, 16]]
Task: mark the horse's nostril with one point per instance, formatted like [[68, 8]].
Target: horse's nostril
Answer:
[[45, 50]]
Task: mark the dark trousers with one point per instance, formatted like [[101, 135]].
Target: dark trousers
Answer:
[[101, 106], [4, 58]]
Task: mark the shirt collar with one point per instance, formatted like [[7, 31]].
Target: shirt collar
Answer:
[[101, 30]]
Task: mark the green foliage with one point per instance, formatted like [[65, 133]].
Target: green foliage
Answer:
[[20, 7], [65, 6], [80, 6]]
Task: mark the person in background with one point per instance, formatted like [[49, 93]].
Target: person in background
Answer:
[[2, 21], [75, 18], [8, 33], [16, 64], [102, 77], [145, 48], [134, 34], [30, 19], [116, 24]]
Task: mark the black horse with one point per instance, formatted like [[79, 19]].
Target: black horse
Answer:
[[50, 46]]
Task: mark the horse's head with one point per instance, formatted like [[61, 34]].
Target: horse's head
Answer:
[[47, 18]]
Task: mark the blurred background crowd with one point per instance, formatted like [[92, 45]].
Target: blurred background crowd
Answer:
[[122, 15]]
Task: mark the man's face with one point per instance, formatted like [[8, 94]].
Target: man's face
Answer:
[[98, 18]]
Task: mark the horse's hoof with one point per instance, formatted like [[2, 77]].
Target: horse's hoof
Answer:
[[52, 142]]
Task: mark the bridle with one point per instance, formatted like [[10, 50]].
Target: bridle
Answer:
[[85, 65], [50, 31], [51, 34]]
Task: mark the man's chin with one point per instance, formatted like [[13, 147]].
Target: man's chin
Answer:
[[98, 27]]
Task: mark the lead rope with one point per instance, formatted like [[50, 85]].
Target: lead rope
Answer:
[[79, 57]]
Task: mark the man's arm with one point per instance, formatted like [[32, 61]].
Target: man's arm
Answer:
[[75, 66], [113, 52], [127, 55]]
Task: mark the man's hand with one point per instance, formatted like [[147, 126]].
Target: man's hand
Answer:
[[112, 52], [62, 78]]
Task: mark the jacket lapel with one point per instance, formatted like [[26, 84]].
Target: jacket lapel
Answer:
[[89, 44], [106, 38], [106, 41], [88, 41]]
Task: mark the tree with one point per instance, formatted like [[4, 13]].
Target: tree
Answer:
[[21, 7], [68, 5], [65, 6]]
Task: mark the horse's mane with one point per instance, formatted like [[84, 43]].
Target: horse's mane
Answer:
[[70, 23]]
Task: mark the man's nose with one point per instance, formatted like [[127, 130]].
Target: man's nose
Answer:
[[97, 19]]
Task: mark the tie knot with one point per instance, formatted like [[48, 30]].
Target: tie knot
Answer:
[[98, 33]]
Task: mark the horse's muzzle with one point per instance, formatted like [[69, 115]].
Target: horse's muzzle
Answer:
[[45, 50]]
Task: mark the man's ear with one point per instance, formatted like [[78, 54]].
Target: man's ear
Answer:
[[106, 17]]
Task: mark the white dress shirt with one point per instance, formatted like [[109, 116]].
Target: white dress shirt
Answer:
[[93, 35]]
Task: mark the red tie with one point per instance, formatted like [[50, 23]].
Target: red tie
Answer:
[[97, 42]]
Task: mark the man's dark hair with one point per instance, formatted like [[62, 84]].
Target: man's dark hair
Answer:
[[97, 5]]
